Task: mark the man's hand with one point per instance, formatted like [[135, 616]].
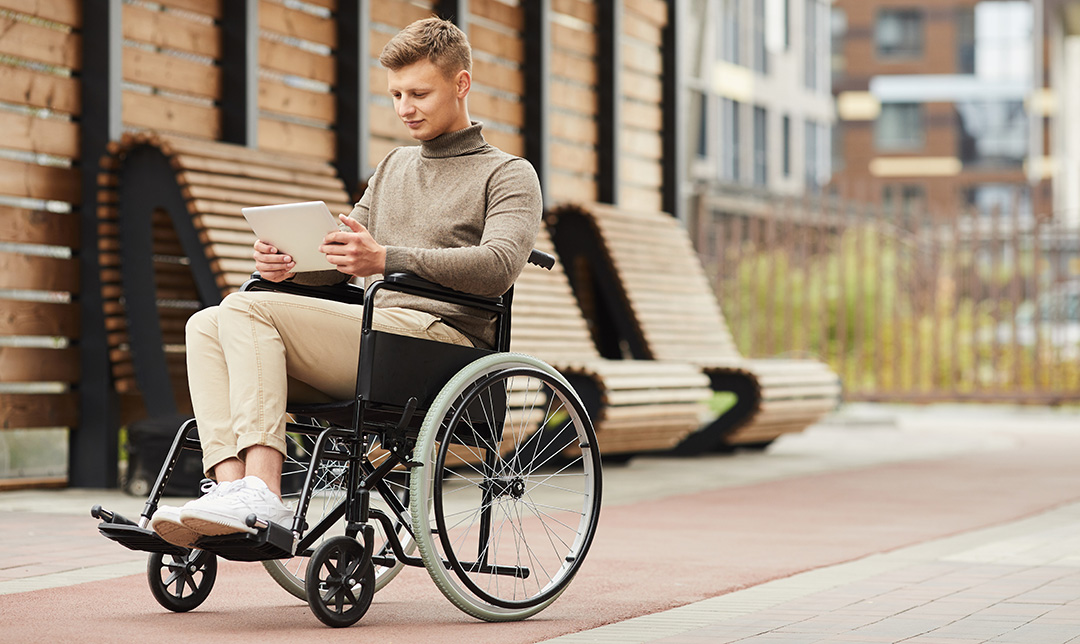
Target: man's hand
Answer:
[[354, 253], [271, 264]]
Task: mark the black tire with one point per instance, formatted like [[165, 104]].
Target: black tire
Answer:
[[340, 582], [511, 473], [180, 583]]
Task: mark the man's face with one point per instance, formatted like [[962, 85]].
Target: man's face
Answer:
[[427, 101]]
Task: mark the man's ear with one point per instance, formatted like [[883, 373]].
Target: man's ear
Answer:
[[463, 82]]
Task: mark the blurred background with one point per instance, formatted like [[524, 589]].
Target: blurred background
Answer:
[[889, 186]]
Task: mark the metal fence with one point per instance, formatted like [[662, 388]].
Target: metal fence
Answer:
[[905, 306]]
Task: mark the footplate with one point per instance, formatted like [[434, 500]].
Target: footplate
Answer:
[[270, 542], [135, 538]]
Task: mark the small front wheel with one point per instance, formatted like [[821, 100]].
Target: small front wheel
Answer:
[[340, 581], [181, 583]]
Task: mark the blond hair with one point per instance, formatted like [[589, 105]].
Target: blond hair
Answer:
[[434, 39]]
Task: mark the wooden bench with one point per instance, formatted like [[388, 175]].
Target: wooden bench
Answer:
[[201, 250], [640, 276]]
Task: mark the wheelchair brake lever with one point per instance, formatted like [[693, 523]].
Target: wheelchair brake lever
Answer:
[[397, 442]]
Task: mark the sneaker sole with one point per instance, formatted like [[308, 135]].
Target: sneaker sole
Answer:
[[212, 525], [175, 533]]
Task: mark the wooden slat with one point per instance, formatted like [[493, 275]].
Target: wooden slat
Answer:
[[574, 128], [642, 58], [287, 59], [503, 77], [227, 152], [575, 158], [170, 115], [574, 40], [565, 187], [229, 168], [210, 8], [248, 186], [574, 68], [296, 139], [573, 97], [39, 182], [25, 40], [500, 12], [23, 411], [65, 12], [654, 11], [32, 272], [294, 101], [641, 143], [39, 89], [397, 14], [22, 364], [641, 87], [635, 26], [20, 225], [579, 9], [639, 172], [497, 108], [280, 19], [169, 31], [642, 116], [507, 142], [171, 72], [38, 135], [496, 43], [39, 318]]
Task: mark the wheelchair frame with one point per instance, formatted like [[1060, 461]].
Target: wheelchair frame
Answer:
[[457, 449]]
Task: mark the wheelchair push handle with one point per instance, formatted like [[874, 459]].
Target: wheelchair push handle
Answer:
[[542, 259]]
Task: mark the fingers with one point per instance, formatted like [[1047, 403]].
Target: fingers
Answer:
[[354, 225]]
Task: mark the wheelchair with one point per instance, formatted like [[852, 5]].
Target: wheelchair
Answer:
[[479, 465]]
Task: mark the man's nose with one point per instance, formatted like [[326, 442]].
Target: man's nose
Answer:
[[405, 107]]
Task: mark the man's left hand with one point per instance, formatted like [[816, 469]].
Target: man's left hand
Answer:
[[354, 253]]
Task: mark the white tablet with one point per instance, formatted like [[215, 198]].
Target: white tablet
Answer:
[[295, 229]]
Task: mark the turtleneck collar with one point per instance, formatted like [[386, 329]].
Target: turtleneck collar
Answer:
[[454, 144]]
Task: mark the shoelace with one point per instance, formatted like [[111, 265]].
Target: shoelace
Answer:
[[214, 488]]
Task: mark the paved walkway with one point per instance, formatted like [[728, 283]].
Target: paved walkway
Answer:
[[906, 566]]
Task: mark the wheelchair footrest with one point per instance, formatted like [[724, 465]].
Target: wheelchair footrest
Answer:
[[272, 542], [142, 539]]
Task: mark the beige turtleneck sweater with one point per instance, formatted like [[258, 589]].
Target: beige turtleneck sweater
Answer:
[[454, 210]]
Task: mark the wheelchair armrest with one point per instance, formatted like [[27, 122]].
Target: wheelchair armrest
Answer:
[[413, 285], [344, 292]]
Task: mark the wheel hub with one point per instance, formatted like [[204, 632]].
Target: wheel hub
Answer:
[[512, 486]]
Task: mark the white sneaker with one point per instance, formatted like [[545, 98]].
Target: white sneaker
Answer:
[[227, 514], [167, 524]]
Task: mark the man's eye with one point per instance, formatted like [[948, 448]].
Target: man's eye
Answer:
[[420, 95]]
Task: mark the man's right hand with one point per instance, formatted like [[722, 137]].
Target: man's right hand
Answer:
[[271, 264]]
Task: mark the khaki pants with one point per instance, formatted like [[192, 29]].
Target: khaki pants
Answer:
[[256, 351]]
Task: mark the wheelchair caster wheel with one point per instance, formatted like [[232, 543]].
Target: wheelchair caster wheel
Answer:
[[340, 582], [181, 583]]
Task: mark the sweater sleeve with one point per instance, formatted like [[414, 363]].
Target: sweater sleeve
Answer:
[[511, 223]]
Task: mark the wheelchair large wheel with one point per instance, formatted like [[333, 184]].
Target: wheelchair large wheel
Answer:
[[509, 463], [328, 494], [181, 583]]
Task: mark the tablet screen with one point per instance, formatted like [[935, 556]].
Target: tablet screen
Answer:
[[295, 229]]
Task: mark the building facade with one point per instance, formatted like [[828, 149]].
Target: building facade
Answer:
[[942, 105], [1063, 62], [759, 97]]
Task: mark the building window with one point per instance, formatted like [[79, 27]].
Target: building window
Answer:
[[810, 160], [810, 52], [702, 147], [837, 146], [900, 127], [785, 133], [729, 140], [899, 33], [729, 32], [903, 199], [965, 40], [1002, 37], [761, 164], [998, 199], [838, 33], [992, 133], [761, 52]]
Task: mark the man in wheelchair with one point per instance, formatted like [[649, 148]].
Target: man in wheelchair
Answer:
[[454, 210]]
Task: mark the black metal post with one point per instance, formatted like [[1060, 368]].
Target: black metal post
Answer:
[[538, 89], [609, 64], [240, 72], [352, 93], [93, 445], [456, 11], [672, 107]]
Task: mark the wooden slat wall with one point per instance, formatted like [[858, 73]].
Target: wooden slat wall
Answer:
[[297, 76], [495, 32], [172, 80], [640, 163], [573, 101], [39, 188]]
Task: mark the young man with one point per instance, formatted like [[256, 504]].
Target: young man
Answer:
[[454, 210]]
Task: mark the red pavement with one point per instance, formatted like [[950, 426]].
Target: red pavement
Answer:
[[648, 556]]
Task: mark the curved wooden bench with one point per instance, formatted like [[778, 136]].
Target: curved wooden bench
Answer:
[[179, 200], [640, 273]]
